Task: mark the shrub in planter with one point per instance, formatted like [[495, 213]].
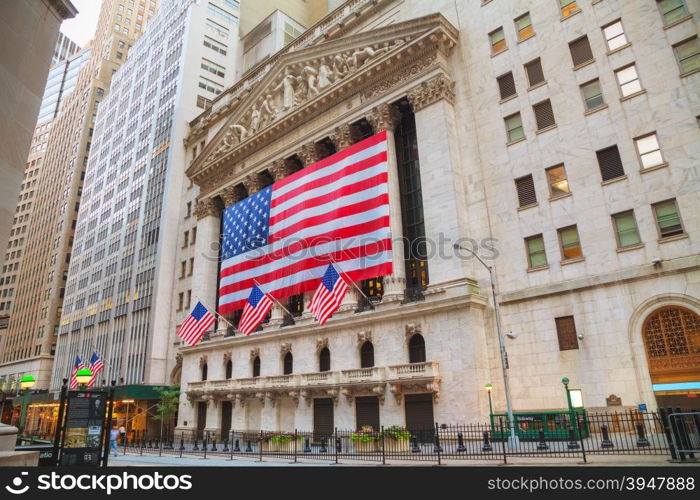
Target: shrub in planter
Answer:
[[284, 442], [365, 440], [396, 439]]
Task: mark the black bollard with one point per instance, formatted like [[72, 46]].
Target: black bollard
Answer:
[[542, 444], [249, 449], [437, 448], [642, 441], [323, 446], [605, 443], [573, 443], [236, 446], [338, 446], [182, 442], [487, 444], [225, 449], [460, 443], [195, 447], [414, 445], [213, 444], [307, 447]]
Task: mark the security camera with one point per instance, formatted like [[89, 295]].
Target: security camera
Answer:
[[656, 261], [512, 335], [580, 336]]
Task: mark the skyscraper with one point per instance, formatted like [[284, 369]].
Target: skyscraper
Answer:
[[41, 280]]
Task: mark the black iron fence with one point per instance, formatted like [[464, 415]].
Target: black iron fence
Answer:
[[624, 433]]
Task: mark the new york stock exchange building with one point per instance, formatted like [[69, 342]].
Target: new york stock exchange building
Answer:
[[493, 145]]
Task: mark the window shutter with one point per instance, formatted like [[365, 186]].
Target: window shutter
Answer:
[[610, 163], [544, 115], [526, 191], [534, 71], [506, 85], [566, 332], [580, 51]]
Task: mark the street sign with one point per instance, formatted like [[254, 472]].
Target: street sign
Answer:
[[83, 434], [642, 407]]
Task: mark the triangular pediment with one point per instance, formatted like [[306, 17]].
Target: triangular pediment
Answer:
[[313, 77]]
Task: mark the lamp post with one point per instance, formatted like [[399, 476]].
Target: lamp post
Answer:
[[83, 377], [513, 440], [488, 390], [565, 381], [27, 382]]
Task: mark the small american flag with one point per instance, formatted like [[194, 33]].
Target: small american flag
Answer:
[[198, 322], [79, 365], [328, 296], [254, 311], [96, 366]]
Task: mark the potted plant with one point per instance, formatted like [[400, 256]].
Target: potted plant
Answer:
[[284, 442], [396, 439], [266, 442], [365, 440]]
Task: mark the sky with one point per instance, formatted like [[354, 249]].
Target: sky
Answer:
[[81, 29]]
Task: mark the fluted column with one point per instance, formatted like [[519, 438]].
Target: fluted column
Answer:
[[387, 117], [206, 254]]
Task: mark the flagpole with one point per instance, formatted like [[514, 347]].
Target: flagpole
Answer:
[[216, 313], [351, 281], [273, 298]]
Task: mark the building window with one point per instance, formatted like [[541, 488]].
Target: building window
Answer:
[[203, 102], [526, 191], [592, 95], [498, 41], [668, 219], [610, 163], [205, 371], [194, 236], [557, 181], [569, 243], [649, 151], [186, 240], [536, 255], [580, 51], [256, 366], [506, 85], [568, 7], [183, 268], [688, 55], [626, 230], [181, 300], [288, 364], [367, 355], [535, 75], [416, 349], [672, 10], [413, 224], [119, 55], [212, 67], [514, 128], [229, 369], [544, 115], [628, 80], [523, 25], [566, 333], [614, 35], [324, 360]]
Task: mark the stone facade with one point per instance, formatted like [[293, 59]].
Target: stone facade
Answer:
[[442, 66]]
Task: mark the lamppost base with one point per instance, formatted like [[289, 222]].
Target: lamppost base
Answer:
[[513, 441]]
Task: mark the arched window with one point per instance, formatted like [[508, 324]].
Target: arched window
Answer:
[[229, 369], [367, 355], [672, 340], [288, 364], [416, 349], [324, 360], [256, 367], [204, 371]]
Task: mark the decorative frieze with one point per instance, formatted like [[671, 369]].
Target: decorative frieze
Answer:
[[206, 207], [432, 91]]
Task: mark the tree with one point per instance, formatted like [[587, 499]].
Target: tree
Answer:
[[167, 407]]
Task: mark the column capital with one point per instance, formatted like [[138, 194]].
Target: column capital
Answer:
[[309, 153], [384, 117], [252, 183], [280, 169], [230, 196], [343, 136], [206, 207], [429, 92]]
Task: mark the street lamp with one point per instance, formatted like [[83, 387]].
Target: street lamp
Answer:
[[27, 382], [513, 440], [565, 381], [83, 376], [488, 388]]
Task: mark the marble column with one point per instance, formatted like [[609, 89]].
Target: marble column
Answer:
[[440, 175], [205, 269], [213, 418], [387, 117], [268, 414]]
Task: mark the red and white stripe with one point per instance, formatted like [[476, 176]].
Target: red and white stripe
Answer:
[[253, 316], [325, 302], [336, 210], [191, 330]]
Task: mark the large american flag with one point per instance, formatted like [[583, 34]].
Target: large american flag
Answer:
[[329, 295], [79, 365], [96, 366], [192, 329], [284, 236]]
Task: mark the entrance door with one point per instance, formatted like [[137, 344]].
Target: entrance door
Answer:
[[419, 416], [226, 409], [367, 412], [201, 418], [323, 419]]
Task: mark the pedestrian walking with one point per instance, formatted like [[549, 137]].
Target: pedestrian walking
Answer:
[[113, 435]]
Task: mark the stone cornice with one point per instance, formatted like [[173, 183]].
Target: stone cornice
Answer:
[[232, 145], [64, 8]]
